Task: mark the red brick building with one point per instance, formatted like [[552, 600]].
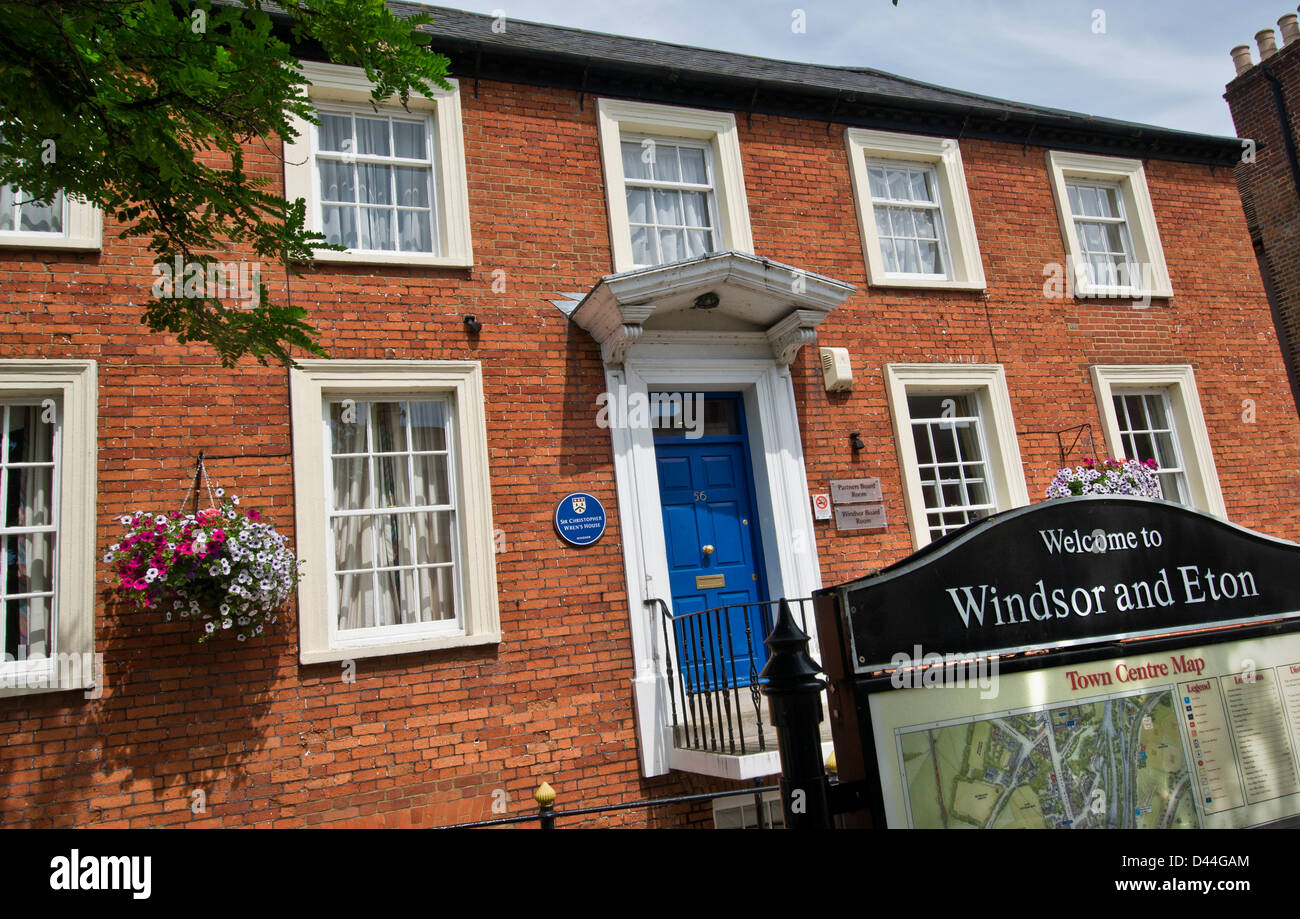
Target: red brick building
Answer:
[[1014, 288]]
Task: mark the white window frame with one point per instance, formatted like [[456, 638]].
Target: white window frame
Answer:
[[314, 383], [965, 269], [1151, 277], [83, 230], [987, 382], [618, 119], [72, 386], [336, 87], [1178, 382], [711, 191]]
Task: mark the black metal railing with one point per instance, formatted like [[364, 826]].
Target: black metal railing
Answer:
[[713, 660], [546, 815]]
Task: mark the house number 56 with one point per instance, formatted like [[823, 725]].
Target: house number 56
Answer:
[[701, 496]]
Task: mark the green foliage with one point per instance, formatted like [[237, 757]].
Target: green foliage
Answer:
[[150, 105]]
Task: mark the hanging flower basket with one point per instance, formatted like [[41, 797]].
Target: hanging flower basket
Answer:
[[1107, 477], [224, 567]]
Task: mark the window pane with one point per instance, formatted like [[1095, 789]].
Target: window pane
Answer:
[[412, 186], [921, 187], [924, 221], [930, 263], [30, 498], [634, 167], [30, 563], [28, 629], [693, 166], [413, 230], [372, 136], [890, 254], [353, 543], [911, 258], [899, 184], [348, 426], [339, 225], [876, 178], [408, 140], [672, 246], [31, 440], [665, 163], [336, 182], [335, 133], [392, 482], [698, 242], [351, 483], [668, 210], [389, 422], [696, 208], [883, 226], [6, 207], [638, 205], [642, 247], [1076, 206], [427, 539], [901, 222], [428, 426], [376, 228], [374, 184], [356, 599], [42, 217], [431, 485]]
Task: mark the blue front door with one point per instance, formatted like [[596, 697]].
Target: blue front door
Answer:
[[714, 557]]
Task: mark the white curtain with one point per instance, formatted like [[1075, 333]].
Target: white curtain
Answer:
[[407, 456]]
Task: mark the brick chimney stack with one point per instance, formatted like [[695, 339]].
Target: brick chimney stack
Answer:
[[1264, 97]]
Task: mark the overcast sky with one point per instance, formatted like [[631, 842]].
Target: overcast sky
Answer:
[[1163, 62]]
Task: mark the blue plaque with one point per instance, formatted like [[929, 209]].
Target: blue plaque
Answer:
[[580, 518]]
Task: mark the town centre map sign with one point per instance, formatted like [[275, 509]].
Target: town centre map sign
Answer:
[[1086, 662]]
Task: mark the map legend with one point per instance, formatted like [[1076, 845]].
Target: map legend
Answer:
[[1215, 766], [1260, 734]]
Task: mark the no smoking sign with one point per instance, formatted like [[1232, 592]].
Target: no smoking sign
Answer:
[[822, 507]]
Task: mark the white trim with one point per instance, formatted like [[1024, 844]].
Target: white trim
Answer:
[[74, 385], [1141, 221], [784, 511], [966, 269], [310, 383], [83, 230], [718, 129], [1179, 382], [331, 83], [987, 382]]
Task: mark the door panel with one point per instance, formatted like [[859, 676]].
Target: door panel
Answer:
[[710, 530]]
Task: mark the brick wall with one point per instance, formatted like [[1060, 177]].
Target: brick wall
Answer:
[[427, 738]]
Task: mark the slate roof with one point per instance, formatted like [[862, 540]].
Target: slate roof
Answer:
[[599, 64]]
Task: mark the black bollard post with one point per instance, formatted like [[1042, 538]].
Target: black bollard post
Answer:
[[794, 691]]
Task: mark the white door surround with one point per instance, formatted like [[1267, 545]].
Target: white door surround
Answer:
[[744, 344]]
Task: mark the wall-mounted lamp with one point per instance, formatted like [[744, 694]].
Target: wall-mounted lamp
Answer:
[[473, 325], [856, 442]]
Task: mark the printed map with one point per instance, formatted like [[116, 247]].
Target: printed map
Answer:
[[1116, 761]]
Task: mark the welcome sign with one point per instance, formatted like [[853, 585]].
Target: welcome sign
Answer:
[[1068, 572]]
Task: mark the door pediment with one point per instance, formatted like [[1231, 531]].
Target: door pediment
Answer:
[[743, 296]]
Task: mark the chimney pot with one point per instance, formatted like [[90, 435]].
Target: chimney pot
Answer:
[[1267, 43], [1241, 59], [1290, 26]]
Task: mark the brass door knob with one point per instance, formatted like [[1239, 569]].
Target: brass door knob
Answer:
[[707, 550]]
